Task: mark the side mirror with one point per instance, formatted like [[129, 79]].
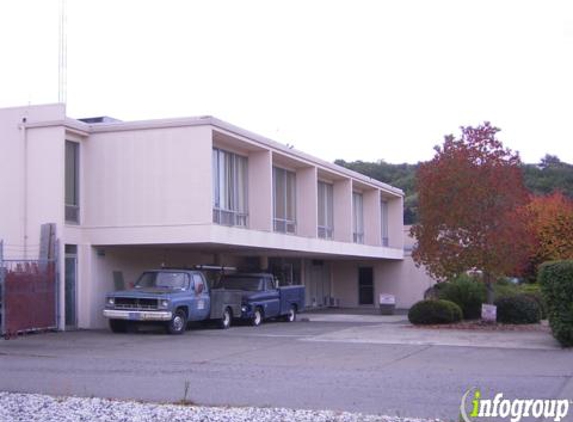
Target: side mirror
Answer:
[[199, 288]]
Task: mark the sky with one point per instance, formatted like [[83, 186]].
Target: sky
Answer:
[[357, 80]]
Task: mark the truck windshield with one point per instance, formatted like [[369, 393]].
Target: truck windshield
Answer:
[[241, 283], [163, 280]]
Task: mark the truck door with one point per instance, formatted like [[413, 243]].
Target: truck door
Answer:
[[200, 302], [272, 298]]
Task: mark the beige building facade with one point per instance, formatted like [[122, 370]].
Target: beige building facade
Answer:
[[128, 196]]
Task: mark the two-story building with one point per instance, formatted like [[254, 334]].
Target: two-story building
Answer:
[[128, 196]]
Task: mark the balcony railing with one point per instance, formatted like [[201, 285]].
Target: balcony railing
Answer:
[[282, 225], [325, 232], [229, 218], [358, 237]]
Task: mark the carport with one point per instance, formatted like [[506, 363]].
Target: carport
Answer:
[[106, 268]]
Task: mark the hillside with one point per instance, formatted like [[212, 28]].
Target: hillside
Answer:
[[545, 177]]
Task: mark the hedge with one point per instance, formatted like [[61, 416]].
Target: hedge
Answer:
[[434, 312], [518, 309], [556, 280]]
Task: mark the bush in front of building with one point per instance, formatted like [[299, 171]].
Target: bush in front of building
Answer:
[[533, 290], [518, 309], [467, 293], [556, 280], [434, 311], [505, 288]]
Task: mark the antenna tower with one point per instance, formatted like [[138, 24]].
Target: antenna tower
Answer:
[[62, 54]]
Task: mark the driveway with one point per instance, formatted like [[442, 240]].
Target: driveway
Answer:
[[369, 364]]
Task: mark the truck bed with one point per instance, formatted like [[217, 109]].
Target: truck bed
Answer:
[[289, 296], [221, 298]]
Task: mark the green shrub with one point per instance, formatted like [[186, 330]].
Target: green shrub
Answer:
[[434, 312], [504, 288], [434, 291], [556, 280], [467, 293], [518, 309], [534, 291]]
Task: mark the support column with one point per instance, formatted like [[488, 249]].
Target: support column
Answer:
[[260, 191], [342, 192], [306, 202]]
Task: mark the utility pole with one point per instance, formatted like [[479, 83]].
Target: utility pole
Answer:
[[62, 54]]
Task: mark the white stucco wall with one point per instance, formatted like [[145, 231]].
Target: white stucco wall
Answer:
[[31, 177], [148, 177]]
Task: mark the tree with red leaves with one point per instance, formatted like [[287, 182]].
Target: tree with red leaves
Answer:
[[470, 196], [550, 221]]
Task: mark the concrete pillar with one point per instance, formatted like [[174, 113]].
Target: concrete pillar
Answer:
[[306, 202], [396, 223], [260, 191], [342, 192], [372, 218]]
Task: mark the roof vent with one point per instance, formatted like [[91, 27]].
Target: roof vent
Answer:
[[100, 119]]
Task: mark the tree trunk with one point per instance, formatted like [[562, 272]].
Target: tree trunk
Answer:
[[489, 288]]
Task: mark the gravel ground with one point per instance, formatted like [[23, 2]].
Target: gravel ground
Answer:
[[34, 407]]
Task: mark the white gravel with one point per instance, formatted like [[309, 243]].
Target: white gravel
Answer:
[[35, 407]]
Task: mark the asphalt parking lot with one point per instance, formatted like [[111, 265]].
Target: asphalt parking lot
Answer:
[[367, 364]]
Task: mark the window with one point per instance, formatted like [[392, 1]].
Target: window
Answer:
[[269, 284], [384, 209], [72, 183], [163, 280], [358, 217], [325, 211], [229, 188], [284, 200], [198, 283]]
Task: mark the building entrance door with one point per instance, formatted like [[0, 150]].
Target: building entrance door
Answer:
[[71, 264], [317, 281], [365, 286]]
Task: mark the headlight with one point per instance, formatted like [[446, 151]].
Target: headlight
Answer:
[[243, 308], [163, 304], [110, 301]]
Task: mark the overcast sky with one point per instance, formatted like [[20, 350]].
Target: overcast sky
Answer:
[[369, 80]]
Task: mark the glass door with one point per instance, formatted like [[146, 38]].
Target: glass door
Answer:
[[365, 286], [70, 303]]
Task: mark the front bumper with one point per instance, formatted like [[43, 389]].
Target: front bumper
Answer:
[[138, 315]]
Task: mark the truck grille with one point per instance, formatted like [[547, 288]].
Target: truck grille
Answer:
[[135, 303]]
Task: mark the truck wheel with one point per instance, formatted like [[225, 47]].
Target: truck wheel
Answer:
[[225, 322], [257, 317], [178, 323], [118, 326], [291, 316]]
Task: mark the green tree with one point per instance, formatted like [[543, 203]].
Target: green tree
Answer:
[[549, 176], [402, 176]]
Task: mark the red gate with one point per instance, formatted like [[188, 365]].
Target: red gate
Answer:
[[28, 296]]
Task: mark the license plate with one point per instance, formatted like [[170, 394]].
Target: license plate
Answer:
[[133, 316]]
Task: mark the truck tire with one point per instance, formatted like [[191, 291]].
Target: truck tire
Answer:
[[225, 321], [257, 317], [118, 326], [291, 316], [178, 323]]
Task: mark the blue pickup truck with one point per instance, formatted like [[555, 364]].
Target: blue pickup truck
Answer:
[[262, 298], [172, 297]]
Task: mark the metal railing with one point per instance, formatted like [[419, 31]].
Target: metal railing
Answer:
[[229, 217], [325, 232], [283, 225]]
